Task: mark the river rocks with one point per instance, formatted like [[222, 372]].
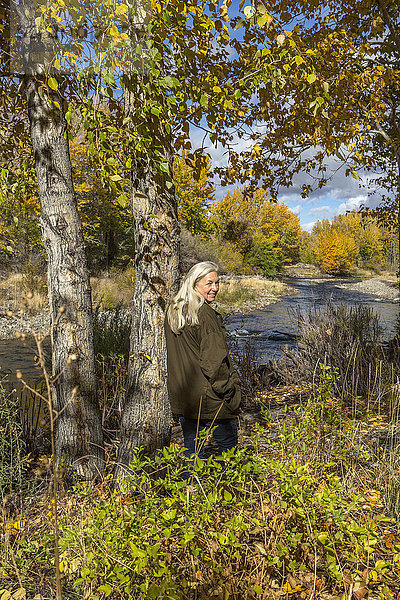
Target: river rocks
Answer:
[[24, 323], [376, 286]]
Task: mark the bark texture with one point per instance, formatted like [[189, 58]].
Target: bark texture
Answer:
[[79, 438], [146, 419]]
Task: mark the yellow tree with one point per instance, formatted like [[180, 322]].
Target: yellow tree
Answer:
[[194, 192], [106, 216], [255, 225], [282, 228], [20, 235], [367, 234], [334, 251]]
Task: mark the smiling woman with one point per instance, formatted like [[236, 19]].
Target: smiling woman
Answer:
[[203, 387], [208, 286]]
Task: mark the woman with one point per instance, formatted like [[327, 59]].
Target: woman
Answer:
[[203, 387]]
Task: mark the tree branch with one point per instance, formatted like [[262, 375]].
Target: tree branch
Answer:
[[388, 20]]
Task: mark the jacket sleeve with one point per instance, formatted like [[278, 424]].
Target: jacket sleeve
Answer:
[[215, 363]]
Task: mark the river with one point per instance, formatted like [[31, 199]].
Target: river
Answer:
[[276, 325], [267, 329]]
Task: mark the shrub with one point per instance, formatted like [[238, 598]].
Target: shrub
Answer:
[[194, 250], [349, 338], [263, 257], [252, 524]]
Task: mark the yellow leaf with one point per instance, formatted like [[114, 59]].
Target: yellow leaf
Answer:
[[113, 31], [223, 11], [52, 83], [16, 525], [121, 9], [249, 11], [311, 78]]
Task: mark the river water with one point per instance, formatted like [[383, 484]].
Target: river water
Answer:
[[267, 329], [276, 325]]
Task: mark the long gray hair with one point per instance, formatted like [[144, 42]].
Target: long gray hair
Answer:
[[185, 305]]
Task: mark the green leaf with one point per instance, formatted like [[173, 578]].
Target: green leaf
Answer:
[[261, 21], [52, 83], [68, 116], [322, 537], [170, 82], [239, 24], [106, 588], [164, 167]]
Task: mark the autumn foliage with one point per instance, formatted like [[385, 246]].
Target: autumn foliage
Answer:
[[266, 234]]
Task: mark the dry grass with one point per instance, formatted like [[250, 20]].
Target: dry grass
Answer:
[[258, 283], [249, 292], [113, 290], [14, 290], [108, 291]]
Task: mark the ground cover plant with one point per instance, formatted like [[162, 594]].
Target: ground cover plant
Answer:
[[273, 519]]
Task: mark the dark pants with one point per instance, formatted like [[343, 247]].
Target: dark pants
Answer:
[[225, 434]]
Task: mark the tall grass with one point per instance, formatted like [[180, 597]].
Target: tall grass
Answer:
[[350, 339], [12, 447]]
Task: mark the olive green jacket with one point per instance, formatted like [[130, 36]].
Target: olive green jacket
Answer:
[[200, 372]]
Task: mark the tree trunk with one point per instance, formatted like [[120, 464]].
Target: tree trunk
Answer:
[[79, 438], [146, 418]]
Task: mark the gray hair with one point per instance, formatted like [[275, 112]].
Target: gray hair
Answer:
[[185, 305]]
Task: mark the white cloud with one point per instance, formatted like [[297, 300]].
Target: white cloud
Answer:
[[296, 209], [322, 212], [308, 226], [351, 204]]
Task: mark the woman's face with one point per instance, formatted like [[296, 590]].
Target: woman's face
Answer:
[[208, 286]]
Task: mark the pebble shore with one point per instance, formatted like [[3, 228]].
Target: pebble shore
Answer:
[[376, 286], [28, 324]]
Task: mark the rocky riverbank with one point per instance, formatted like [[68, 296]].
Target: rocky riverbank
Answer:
[[27, 324], [381, 287]]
